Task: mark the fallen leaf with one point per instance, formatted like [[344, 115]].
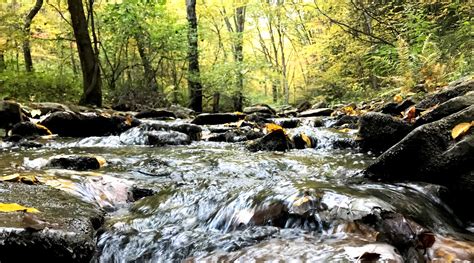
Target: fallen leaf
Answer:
[[460, 129], [271, 127], [410, 114], [14, 207], [41, 127], [345, 130], [426, 239], [398, 98], [349, 110], [128, 120], [301, 201], [101, 160], [26, 179], [307, 140]]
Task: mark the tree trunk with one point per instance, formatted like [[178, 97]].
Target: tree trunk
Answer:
[[148, 69], [92, 85], [194, 84], [239, 19], [26, 29], [215, 101], [3, 65]]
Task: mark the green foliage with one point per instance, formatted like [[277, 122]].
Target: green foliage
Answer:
[[40, 86]]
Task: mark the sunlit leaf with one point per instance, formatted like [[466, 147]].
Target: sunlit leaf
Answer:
[[301, 201], [345, 130], [398, 98], [410, 114], [41, 127], [271, 127], [307, 140], [14, 207], [460, 129]]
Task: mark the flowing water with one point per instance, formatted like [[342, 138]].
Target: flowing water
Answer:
[[218, 202]]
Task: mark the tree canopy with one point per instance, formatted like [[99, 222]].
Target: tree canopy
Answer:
[[249, 51]]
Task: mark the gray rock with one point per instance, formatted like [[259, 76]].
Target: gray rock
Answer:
[[155, 114], [316, 112], [447, 108]]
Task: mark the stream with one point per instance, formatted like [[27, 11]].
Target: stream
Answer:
[[218, 202]]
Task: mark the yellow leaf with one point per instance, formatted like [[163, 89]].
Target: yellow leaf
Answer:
[[13, 207], [301, 201], [345, 130], [41, 127], [238, 113], [128, 120], [271, 127], [307, 140], [461, 129], [398, 98], [10, 178], [101, 160]]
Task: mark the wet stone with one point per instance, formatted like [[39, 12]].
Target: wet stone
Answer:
[[79, 163]]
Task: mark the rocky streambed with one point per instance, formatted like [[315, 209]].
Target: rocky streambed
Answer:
[[352, 183]]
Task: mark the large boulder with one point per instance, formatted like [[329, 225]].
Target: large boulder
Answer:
[[48, 107], [181, 112], [63, 231], [10, 114], [274, 141], [453, 90], [72, 124], [447, 108], [259, 108], [316, 112], [378, 131], [155, 114], [236, 135], [430, 154], [395, 109], [217, 118]]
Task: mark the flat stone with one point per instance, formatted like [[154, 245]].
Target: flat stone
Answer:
[[69, 226]]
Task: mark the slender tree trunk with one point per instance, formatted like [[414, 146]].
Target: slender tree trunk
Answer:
[[239, 19], [73, 60], [194, 83], [368, 30], [148, 69], [92, 85], [3, 65], [215, 101], [26, 29]]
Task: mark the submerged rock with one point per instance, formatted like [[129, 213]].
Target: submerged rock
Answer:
[[192, 130], [274, 141], [63, 231], [160, 138], [10, 114], [217, 118], [378, 131], [71, 124], [79, 163]]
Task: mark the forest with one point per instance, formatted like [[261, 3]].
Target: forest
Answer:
[[227, 54], [236, 131]]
